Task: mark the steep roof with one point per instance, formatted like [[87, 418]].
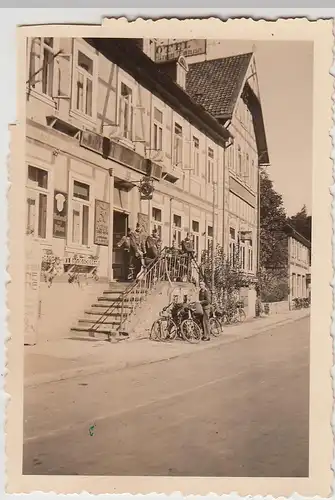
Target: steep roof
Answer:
[[216, 84], [290, 231]]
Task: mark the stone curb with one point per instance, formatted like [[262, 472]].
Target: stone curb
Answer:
[[105, 367]]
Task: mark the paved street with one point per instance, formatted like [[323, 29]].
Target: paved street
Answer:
[[238, 409]]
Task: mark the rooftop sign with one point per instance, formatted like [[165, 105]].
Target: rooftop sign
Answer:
[[173, 51]]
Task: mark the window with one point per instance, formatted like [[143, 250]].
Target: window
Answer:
[[37, 202], [156, 223], [176, 230], [232, 246], [178, 145], [196, 156], [210, 165], [250, 259], [196, 236], [80, 213], [247, 169], [242, 256], [126, 112], [239, 160], [209, 237], [83, 83], [42, 65], [158, 130]]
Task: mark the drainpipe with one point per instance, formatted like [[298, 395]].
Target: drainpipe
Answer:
[[170, 225]]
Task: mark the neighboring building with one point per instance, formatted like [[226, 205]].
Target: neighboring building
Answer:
[[100, 116], [228, 89], [299, 261]]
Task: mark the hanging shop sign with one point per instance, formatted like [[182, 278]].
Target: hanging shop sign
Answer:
[[60, 214], [187, 48], [146, 188], [101, 223]]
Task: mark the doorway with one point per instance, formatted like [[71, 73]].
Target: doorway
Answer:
[[120, 226]]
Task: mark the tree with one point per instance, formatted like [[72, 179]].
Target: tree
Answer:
[[229, 277], [302, 223], [273, 243], [273, 272]]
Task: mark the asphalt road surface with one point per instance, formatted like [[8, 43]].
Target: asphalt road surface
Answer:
[[238, 409]]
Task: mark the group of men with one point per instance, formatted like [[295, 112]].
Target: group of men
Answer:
[[140, 249]]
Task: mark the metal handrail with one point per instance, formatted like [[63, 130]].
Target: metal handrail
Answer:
[[120, 298], [167, 266]]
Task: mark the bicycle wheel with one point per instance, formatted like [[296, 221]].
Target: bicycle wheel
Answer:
[[242, 316], [215, 327], [157, 331], [170, 328], [190, 331]]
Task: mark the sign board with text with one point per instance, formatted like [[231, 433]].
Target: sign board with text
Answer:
[[101, 223], [173, 51], [32, 289], [60, 214]]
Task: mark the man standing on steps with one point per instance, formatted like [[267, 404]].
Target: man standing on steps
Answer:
[[205, 304], [188, 251]]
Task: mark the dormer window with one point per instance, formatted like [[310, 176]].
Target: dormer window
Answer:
[[182, 70]]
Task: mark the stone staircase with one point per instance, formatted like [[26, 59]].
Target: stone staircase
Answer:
[[103, 318]]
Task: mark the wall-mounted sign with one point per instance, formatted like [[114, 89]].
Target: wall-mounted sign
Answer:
[[32, 288], [173, 51], [242, 192], [95, 142], [101, 223], [143, 221], [109, 149], [82, 260], [60, 214]]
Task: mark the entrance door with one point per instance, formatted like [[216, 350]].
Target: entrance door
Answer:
[[120, 226]]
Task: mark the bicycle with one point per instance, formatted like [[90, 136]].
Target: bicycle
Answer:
[[236, 314], [164, 328], [177, 323]]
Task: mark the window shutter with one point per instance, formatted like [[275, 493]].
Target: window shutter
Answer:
[[121, 115]]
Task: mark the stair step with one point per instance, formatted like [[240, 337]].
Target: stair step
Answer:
[[117, 293], [112, 306], [101, 334], [92, 321], [107, 298], [98, 313]]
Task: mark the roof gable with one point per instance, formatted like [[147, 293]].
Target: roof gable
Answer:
[[216, 84]]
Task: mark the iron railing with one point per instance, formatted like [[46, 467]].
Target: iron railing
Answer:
[[169, 266]]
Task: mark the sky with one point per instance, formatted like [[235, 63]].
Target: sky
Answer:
[[285, 77]]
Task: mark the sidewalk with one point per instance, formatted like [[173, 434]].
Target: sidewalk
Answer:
[[66, 358]]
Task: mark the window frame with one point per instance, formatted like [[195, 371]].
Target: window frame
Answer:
[[160, 130], [91, 54], [175, 158], [196, 155], [177, 229], [210, 165], [71, 245], [157, 224], [209, 239], [37, 88], [196, 237], [49, 207]]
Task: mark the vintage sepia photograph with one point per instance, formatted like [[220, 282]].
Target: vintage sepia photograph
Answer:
[[168, 267]]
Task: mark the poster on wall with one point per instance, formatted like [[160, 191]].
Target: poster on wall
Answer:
[[60, 214], [101, 223], [143, 220], [32, 289]]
